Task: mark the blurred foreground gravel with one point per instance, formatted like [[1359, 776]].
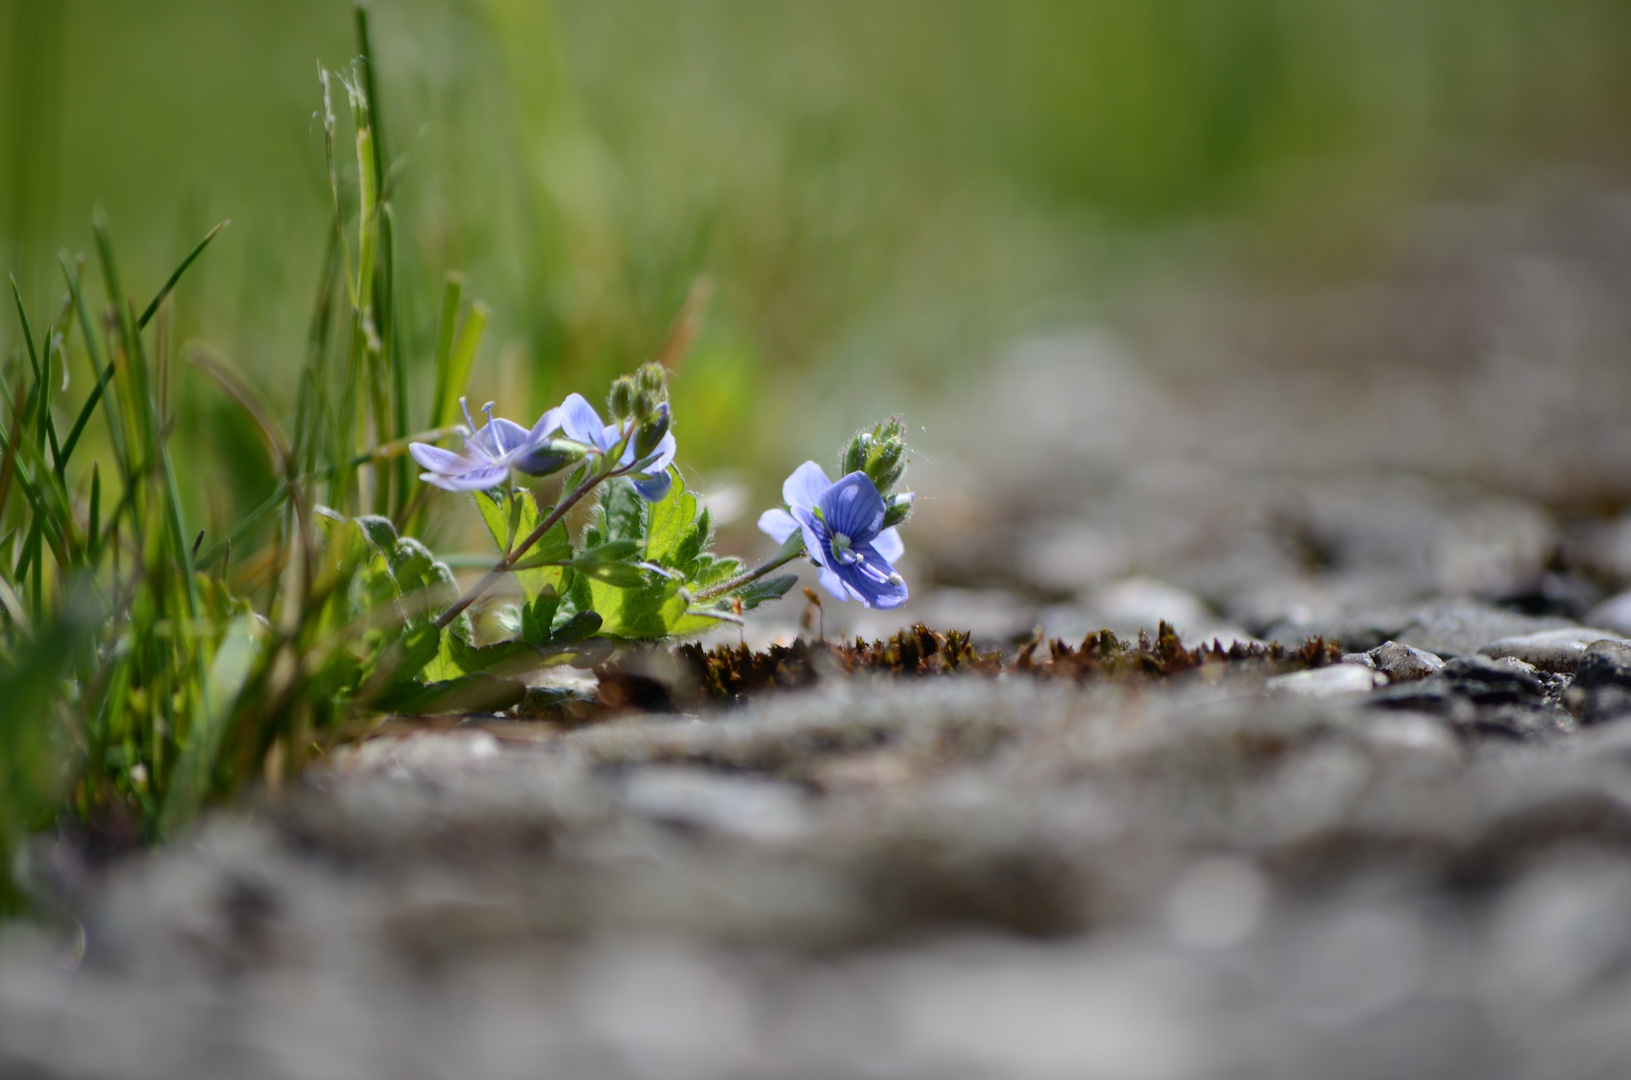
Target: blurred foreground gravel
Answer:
[[1414, 864]]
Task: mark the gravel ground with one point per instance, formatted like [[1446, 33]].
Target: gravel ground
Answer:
[[1414, 864]]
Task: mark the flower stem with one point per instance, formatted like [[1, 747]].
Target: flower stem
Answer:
[[778, 560], [503, 565]]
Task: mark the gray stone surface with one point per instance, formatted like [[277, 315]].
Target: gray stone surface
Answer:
[[1332, 680], [1550, 650], [1613, 613], [1401, 663], [954, 878]]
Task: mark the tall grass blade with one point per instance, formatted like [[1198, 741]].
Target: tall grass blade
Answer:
[[461, 361], [441, 405], [228, 674], [198, 249], [87, 410]]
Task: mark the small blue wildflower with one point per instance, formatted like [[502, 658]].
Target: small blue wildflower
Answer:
[[844, 534], [489, 452], [581, 423]]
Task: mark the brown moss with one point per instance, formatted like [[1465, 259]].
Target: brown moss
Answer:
[[732, 673], [1103, 655], [724, 673]]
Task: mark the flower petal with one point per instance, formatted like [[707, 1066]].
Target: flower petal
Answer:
[[547, 425], [805, 486], [834, 584], [815, 534], [474, 480], [654, 488], [778, 525], [853, 507], [580, 421], [873, 581], [481, 444], [508, 437], [888, 544], [438, 460]]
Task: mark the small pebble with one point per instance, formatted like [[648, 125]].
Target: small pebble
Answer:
[[1549, 650], [1328, 681], [1613, 613], [1403, 663], [1601, 689]]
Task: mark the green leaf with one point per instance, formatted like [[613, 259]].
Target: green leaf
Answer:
[[462, 694], [773, 588], [673, 524], [515, 516], [617, 575], [577, 628], [622, 513], [538, 616], [456, 657]]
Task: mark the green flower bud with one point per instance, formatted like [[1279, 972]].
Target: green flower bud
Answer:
[[879, 453], [550, 456], [653, 382], [651, 430], [620, 402], [854, 456], [897, 509]]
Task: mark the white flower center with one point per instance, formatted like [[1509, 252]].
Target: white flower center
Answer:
[[841, 547]]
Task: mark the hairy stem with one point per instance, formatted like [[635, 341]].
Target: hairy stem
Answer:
[[777, 561], [503, 565]]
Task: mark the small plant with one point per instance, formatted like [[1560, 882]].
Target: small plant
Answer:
[[146, 671]]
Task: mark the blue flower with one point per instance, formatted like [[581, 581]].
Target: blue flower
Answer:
[[489, 452], [581, 423], [844, 534]]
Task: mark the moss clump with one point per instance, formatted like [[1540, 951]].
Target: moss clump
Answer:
[[1103, 655], [690, 676], [724, 673]]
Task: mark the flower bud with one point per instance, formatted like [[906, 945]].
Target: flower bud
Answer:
[[854, 456], [886, 455], [897, 509], [550, 456], [651, 430], [620, 402], [879, 453], [653, 382]]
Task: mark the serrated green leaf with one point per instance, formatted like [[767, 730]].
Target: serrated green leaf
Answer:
[[495, 514], [710, 571], [756, 593], [513, 517], [673, 521], [692, 547], [623, 513]]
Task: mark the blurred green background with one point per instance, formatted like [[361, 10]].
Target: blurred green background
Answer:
[[877, 194]]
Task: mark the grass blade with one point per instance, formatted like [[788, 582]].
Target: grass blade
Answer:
[[198, 249], [228, 674], [452, 291], [463, 358], [105, 376]]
